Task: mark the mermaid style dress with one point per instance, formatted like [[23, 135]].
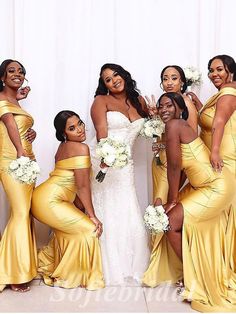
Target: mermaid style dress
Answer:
[[18, 254], [73, 256], [205, 200], [228, 154], [164, 264], [124, 242]]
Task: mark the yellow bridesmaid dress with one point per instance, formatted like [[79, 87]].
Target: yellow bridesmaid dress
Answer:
[[228, 154], [73, 257], [208, 196], [18, 255], [164, 265]]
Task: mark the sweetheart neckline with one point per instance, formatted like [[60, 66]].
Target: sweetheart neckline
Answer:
[[125, 116]]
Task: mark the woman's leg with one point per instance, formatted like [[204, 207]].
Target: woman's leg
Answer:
[[174, 235]]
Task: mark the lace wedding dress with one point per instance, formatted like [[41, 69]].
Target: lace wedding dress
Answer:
[[124, 242]]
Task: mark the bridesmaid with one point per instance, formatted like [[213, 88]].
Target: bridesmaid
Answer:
[[218, 131], [18, 254], [196, 233], [164, 265], [73, 256]]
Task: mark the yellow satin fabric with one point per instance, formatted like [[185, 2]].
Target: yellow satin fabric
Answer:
[[72, 257], [164, 264], [18, 255], [205, 201]]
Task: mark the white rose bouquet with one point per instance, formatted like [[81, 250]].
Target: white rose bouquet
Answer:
[[193, 76], [152, 128], [113, 153], [24, 170], [155, 219]]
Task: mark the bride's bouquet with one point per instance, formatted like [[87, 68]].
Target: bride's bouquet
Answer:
[[155, 219], [24, 170], [193, 76], [113, 153]]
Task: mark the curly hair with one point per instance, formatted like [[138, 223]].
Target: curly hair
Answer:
[[131, 90], [181, 73]]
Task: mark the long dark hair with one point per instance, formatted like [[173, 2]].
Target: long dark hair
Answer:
[[176, 99], [3, 68], [131, 90], [60, 123], [181, 73], [228, 62]]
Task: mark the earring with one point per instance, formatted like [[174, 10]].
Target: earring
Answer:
[[3, 84], [108, 92], [181, 116], [161, 86], [231, 79], [65, 139]]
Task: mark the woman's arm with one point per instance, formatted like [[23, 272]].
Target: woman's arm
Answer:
[[99, 117], [193, 115], [195, 100], [13, 132], [225, 107], [173, 153]]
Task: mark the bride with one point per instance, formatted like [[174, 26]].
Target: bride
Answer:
[[118, 112]]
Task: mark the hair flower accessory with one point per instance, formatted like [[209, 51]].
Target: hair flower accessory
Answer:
[[24, 170], [193, 76]]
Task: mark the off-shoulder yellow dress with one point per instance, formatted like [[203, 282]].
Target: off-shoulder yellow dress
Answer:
[[228, 154], [164, 264], [208, 196], [73, 256], [18, 255]]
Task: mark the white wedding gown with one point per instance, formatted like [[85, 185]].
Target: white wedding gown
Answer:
[[124, 242]]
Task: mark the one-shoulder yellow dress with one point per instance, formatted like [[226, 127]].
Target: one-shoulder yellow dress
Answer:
[[228, 154], [73, 256], [208, 196], [164, 264], [18, 254]]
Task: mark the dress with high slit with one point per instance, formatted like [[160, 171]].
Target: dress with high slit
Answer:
[[72, 257], [18, 254]]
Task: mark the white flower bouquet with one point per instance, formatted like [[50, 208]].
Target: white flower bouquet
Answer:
[[113, 153], [193, 76], [155, 219], [152, 128], [24, 170]]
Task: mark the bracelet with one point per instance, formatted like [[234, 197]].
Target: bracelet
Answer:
[[104, 170]]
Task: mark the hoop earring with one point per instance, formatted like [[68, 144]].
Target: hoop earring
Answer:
[[161, 86]]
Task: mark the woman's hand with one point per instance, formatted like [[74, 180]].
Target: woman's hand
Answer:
[[169, 206], [30, 135], [196, 101], [151, 106], [98, 226], [22, 93], [21, 152], [216, 161]]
